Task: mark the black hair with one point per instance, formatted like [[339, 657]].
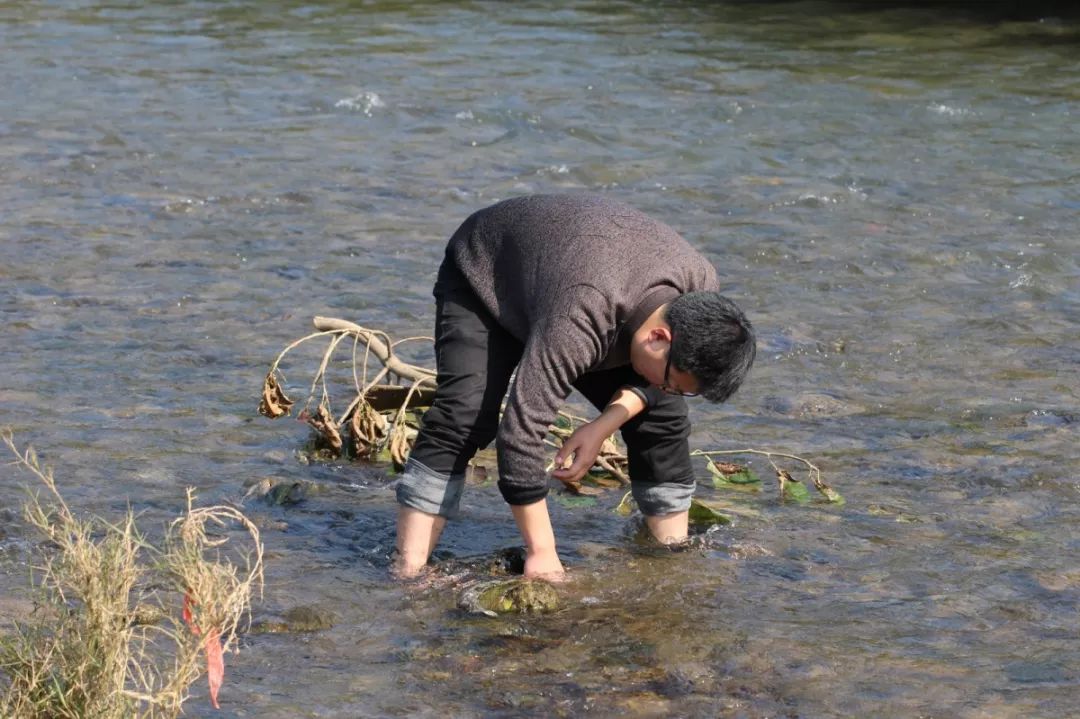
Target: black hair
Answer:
[[712, 340]]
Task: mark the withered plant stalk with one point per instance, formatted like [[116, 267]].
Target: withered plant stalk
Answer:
[[107, 640]]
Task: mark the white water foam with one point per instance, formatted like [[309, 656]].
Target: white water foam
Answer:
[[365, 102], [948, 110]]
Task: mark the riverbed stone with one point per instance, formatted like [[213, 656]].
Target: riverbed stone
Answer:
[[514, 596], [298, 619]]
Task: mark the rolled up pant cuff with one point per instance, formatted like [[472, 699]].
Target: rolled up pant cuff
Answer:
[[422, 488], [655, 500]]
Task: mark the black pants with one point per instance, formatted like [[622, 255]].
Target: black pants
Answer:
[[475, 359]]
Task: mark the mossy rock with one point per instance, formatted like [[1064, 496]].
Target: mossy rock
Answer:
[[514, 596]]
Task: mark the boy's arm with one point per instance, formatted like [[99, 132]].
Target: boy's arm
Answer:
[[541, 560]]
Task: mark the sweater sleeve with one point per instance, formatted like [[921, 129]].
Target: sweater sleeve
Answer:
[[559, 350]]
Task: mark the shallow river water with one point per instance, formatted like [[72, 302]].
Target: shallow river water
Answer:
[[891, 193]]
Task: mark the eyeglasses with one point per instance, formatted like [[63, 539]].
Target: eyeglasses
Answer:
[[667, 388]]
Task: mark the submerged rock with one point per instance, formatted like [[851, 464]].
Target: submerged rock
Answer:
[[812, 404], [514, 596], [278, 491], [293, 620]]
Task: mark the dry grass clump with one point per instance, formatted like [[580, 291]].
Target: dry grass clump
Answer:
[[108, 639]]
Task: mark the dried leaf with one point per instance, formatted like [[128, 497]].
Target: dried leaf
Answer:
[[727, 467], [401, 442], [274, 402], [323, 423], [368, 430]]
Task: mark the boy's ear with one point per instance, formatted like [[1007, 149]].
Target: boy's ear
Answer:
[[660, 333]]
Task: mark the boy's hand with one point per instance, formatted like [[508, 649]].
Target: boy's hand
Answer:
[[584, 446]]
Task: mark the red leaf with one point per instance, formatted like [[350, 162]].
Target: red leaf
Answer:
[[215, 666], [186, 614], [215, 657]]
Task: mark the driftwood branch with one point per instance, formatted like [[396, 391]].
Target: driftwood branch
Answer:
[[381, 349]]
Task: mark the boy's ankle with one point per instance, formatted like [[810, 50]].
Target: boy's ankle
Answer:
[[406, 564]]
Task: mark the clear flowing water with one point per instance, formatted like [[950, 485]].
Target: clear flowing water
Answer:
[[890, 192]]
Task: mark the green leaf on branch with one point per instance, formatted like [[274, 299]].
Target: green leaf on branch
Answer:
[[791, 489], [830, 494], [725, 474], [745, 477], [701, 512]]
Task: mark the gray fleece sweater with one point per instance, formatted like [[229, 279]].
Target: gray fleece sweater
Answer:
[[572, 277]]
